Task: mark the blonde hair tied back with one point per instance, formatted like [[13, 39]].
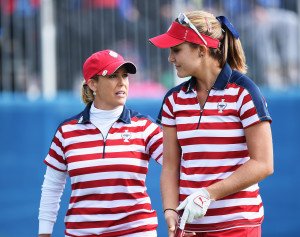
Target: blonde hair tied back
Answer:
[[87, 95], [230, 49]]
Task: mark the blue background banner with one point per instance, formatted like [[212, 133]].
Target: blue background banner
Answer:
[[27, 130]]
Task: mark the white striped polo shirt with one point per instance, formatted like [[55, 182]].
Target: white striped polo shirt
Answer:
[[108, 196], [213, 144]]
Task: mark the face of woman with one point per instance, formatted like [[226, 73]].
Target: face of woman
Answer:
[[186, 59], [112, 90]]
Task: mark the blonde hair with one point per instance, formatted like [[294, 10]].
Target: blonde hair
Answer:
[[230, 49], [86, 92]]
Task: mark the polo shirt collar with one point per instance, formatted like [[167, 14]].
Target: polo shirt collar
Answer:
[[220, 83], [85, 115], [125, 116]]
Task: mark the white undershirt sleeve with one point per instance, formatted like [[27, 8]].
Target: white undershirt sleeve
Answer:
[[52, 190]]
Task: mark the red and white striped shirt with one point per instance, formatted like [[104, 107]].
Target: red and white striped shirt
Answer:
[[213, 144], [108, 196]]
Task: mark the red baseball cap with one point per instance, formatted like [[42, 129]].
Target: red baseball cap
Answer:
[[178, 34], [104, 63]]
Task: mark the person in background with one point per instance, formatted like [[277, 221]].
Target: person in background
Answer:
[[275, 61], [105, 150], [216, 130]]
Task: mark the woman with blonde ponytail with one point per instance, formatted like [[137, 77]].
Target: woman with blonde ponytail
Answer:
[[105, 150], [216, 129]]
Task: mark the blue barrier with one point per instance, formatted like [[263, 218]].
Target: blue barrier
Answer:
[[27, 130]]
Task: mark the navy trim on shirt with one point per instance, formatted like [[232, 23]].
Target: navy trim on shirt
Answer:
[[227, 75], [255, 93]]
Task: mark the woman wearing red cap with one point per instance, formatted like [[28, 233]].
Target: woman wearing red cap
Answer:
[[105, 150], [216, 129]]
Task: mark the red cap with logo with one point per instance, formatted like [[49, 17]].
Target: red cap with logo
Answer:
[[105, 63]]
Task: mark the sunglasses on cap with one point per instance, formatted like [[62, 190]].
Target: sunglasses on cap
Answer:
[[182, 19], [182, 30]]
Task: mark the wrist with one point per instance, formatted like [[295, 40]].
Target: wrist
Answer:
[[209, 193], [170, 210], [45, 227]]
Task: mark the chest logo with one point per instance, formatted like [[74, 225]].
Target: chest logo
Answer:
[[126, 136], [221, 105]]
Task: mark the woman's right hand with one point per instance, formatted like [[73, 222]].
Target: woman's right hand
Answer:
[[172, 220]]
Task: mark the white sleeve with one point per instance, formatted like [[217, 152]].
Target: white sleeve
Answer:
[[52, 189]]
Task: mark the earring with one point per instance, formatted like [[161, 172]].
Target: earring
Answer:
[[94, 93]]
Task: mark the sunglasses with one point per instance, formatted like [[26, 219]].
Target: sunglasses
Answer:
[[182, 19]]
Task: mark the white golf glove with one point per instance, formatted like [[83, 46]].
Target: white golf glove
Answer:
[[195, 205]]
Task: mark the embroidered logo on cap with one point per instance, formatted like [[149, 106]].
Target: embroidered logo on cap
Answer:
[[113, 54], [104, 72]]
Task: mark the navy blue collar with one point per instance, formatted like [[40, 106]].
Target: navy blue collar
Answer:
[[220, 83], [84, 117]]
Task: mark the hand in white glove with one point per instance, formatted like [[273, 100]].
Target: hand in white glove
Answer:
[[195, 205]]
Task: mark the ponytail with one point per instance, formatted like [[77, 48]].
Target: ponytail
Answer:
[[87, 95], [233, 53], [230, 49]]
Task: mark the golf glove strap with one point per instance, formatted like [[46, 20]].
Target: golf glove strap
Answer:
[[195, 205]]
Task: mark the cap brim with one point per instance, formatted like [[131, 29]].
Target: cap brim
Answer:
[[165, 41], [129, 66]]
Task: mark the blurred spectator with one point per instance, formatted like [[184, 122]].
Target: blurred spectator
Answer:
[[275, 33], [150, 19], [290, 5], [84, 26], [19, 47]]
